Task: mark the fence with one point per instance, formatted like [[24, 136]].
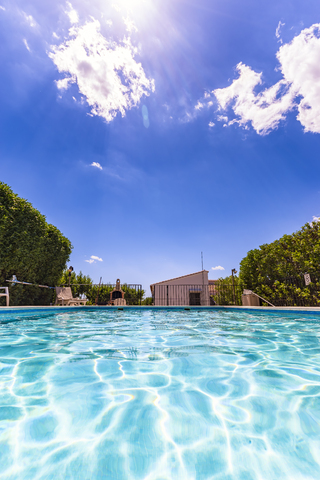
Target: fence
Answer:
[[100, 294], [288, 291], [175, 295], [291, 291], [222, 293]]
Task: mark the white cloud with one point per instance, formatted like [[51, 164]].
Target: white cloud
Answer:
[[217, 268], [105, 72], [278, 29], [72, 14], [96, 164], [300, 65], [199, 106], [29, 19], [264, 110], [2, 8], [94, 259], [211, 124], [299, 89], [222, 118], [315, 219], [26, 44], [130, 25], [204, 103]]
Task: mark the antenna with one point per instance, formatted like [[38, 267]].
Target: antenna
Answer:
[[203, 289]]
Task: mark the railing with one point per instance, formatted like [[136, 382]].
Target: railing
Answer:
[[222, 293], [291, 291], [100, 294], [180, 295], [287, 291]]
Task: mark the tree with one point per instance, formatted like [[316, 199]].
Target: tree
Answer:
[[275, 270], [132, 295], [30, 248], [80, 284], [83, 285], [147, 301], [223, 291]]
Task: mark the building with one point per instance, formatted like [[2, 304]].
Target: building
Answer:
[[190, 289]]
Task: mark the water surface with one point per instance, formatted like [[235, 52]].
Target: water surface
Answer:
[[159, 395]]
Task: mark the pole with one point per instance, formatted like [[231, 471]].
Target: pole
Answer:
[[97, 298], [233, 271], [27, 283], [70, 270], [202, 292]]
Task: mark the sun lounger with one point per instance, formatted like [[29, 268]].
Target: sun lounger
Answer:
[[119, 301], [64, 297], [6, 294]]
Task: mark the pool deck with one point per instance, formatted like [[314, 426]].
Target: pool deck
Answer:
[[25, 309]]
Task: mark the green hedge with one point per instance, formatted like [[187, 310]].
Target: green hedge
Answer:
[[276, 270], [30, 248]]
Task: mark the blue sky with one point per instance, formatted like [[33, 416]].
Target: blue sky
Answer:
[[149, 131]]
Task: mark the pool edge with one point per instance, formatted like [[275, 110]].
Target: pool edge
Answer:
[[54, 308]]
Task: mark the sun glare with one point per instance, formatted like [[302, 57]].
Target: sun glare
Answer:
[[132, 6]]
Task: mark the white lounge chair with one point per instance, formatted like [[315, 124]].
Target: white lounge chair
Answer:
[[119, 301], [64, 297], [6, 294]]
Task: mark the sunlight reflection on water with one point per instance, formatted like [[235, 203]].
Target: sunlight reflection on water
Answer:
[[159, 395]]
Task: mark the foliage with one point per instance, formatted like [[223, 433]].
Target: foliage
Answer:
[[102, 294], [131, 295], [275, 270], [224, 291], [80, 284], [83, 285], [147, 301], [30, 248]]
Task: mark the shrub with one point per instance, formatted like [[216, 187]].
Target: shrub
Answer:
[[30, 248]]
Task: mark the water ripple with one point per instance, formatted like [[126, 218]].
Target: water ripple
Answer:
[[159, 395]]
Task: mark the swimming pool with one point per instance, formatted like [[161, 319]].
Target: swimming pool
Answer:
[[156, 395]]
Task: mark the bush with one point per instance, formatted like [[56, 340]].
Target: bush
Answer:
[[83, 285], [224, 291], [147, 301], [276, 270], [30, 248], [80, 284]]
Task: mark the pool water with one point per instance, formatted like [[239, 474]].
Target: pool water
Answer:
[[159, 395]]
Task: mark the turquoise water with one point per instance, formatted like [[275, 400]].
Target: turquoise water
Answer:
[[159, 395]]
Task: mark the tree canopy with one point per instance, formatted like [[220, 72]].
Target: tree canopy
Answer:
[[276, 270], [228, 291], [30, 248]]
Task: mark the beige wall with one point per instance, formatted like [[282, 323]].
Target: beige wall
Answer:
[[177, 291]]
